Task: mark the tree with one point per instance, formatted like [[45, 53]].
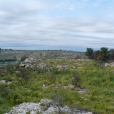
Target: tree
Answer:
[[112, 54], [105, 54], [102, 55], [97, 55], [0, 50], [99, 58], [89, 53]]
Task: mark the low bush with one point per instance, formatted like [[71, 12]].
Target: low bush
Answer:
[[76, 80]]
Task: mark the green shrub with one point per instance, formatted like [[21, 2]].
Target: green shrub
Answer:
[[4, 106], [4, 90], [51, 77], [42, 104], [76, 81], [23, 58], [55, 71], [111, 78]]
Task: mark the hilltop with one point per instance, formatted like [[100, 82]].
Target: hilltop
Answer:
[[10, 54]]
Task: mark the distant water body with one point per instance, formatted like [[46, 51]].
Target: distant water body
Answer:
[[5, 63]]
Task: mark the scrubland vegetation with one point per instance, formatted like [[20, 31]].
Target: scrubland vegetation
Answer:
[[83, 84]]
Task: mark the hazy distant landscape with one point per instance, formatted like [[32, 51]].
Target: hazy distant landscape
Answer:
[[9, 56]]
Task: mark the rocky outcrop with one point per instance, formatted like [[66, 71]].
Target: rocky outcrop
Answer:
[[5, 82], [109, 64], [28, 62], [63, 66], [45, 106], [41, 60]]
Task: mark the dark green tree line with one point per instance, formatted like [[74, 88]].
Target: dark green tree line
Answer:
[[102, 55]]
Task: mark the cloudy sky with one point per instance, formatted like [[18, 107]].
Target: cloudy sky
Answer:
[[56, 24]]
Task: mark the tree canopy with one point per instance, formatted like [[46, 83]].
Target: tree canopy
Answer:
[[102, 55], [89, 53]]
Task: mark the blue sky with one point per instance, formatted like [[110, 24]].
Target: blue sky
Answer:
[[56, 24]]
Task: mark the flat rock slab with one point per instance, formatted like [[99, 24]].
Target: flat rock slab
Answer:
[[26, 107], [45, 106]]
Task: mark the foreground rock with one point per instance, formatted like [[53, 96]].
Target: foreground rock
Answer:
[[45, 106], [109, 64]]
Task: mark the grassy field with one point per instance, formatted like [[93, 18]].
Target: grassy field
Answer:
[[92, 86]]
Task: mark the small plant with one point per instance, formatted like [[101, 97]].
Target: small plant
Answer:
[[42, 104], [76, 80], [4, 106], [38, 112], [23, 58], [27, 112], [4, 90], [55, 71], [51, 77]]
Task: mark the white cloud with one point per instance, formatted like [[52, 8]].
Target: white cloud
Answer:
[[85, 0], [35, 5], [96, 4], [65, 6], [67, 32], [71, 7], [2, 13]]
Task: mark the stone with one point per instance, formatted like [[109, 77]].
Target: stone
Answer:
[[3, 81], [25, 107], [46, 101], [63, 66], [22, 65], [82, 91], [9, 82], [73, 67], [69, 86], [109, 64], [34, 108]]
